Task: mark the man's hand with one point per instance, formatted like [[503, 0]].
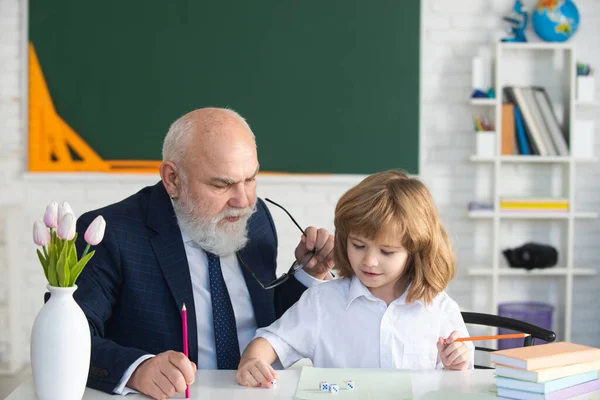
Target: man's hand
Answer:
[[454, 355], [256, 373], [162, 376], [320, 241]]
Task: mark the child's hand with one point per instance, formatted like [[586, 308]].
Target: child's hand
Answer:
[[455, 355], [256, 373]]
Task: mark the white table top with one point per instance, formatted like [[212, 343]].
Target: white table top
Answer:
[[222, 385]]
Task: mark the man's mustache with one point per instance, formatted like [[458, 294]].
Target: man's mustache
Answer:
[[239, 212]]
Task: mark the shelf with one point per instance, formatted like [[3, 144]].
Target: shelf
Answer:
[[587, 103], [554, 271], [5, 369], [532, 159], [482, 102], [536, 46], [489, 214]]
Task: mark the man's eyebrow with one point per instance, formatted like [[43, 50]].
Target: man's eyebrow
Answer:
[[254, 174], [223, 181], [227, 181]]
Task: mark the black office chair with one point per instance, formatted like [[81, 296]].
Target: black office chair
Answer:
[[507, 323]]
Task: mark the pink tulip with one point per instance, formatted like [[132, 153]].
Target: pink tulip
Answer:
[[51, 215], [66, 227], [95, 232], [41, 234], [64, 209]]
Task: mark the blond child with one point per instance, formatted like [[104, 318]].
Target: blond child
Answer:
[[390, 309]]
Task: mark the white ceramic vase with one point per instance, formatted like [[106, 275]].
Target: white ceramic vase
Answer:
[[60, 347]]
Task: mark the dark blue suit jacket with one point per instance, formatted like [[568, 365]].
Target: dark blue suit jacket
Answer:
[[134, 286]]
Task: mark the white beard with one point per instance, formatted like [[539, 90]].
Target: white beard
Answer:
[[224, 239]]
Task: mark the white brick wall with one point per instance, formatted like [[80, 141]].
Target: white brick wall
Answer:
[[451, 34]]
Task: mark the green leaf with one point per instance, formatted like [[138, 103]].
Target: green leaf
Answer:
[[60, 243], [44, 262], [67, 267], [72, 259], [52, 278], [76, 270], [62, 269]]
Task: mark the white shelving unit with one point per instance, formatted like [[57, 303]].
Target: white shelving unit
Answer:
[[563, 273]]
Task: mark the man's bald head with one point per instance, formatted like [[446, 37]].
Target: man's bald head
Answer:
[[200, 129]]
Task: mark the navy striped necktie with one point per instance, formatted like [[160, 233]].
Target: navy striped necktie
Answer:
[[226, 339]]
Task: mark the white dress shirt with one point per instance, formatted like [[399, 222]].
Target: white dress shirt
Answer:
[[340, 324], [240, 300]]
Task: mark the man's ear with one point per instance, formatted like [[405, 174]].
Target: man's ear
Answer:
[[171, 179]]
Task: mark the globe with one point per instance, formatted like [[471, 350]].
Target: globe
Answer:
[[555, 20]]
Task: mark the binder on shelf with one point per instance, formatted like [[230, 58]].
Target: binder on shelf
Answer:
[[538, 121], [521, 135], [515, 96], [508, 130], [553, 128]]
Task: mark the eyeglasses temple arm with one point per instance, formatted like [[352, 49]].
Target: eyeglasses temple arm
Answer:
[[289, 215]]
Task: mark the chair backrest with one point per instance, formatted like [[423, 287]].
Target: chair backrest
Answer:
[[497, 321]]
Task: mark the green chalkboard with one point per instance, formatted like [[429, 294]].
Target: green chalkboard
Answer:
[[327, 86]]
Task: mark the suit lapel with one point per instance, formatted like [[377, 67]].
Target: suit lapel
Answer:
[[262, 300], [170, 252]]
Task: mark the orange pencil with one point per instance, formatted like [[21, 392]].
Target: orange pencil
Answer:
[[492, 337]]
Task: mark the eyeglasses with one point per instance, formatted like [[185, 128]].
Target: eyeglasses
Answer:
[[296, 265]]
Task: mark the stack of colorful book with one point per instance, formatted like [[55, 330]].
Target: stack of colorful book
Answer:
[[533, 204], [554, 371]]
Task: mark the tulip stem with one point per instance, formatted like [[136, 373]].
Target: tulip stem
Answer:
[[87, 248]]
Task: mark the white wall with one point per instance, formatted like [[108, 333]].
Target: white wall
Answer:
[[451, 33]]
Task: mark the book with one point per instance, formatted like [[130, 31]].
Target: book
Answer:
[[566, 393], [521, 135], [523, 199], [546, 387], [553, 127], [531, 202], [508, 130], [534, 206], [545, 356], [539, 121], [532, 128], [547, 374], [527, 145]]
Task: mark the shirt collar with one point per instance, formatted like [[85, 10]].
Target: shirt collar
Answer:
[[188, 241], [357, 289], [185, 237]]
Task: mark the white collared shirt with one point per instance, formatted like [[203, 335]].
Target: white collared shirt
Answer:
[[340, 324], [240, 300]]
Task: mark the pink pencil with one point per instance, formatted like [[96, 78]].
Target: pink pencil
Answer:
[[185, 343]]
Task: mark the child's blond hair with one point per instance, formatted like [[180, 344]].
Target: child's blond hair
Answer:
[[391, 202]]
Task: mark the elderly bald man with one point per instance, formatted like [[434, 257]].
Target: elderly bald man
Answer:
[[200, 237]]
